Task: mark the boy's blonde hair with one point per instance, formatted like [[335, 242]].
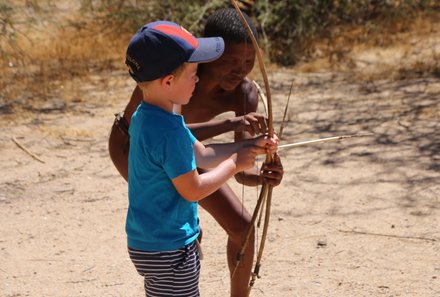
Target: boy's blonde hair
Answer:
[[176, 72]]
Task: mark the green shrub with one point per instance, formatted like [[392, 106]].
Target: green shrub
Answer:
[[288, 27]]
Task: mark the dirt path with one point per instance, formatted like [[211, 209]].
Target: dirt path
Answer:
[[358, 217]]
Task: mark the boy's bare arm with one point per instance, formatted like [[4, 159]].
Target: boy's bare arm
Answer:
[[213, 154], [194, 186]]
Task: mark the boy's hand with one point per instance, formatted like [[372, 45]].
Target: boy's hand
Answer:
[[273, 172], [269, 144], [245, 157], [253, 122]]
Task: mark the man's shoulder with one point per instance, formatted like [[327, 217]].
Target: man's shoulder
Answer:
[[248, 86], [244, 98], [247, 90]]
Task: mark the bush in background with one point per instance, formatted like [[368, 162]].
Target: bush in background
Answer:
[[289, 27], [45, 41]]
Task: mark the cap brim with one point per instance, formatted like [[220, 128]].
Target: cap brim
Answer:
[[209, 49]]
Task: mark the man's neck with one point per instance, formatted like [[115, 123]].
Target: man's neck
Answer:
[[208, 86]]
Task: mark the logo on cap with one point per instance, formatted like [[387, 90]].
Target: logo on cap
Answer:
[[133, 61]]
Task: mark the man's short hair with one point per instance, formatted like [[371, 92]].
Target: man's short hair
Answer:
[[227, 23]]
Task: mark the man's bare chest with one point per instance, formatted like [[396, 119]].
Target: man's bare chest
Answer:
[[206, 109]]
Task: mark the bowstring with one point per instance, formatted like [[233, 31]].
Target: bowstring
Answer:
[[244, 120]]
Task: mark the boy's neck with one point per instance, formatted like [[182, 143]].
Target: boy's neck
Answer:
[[162, 103]]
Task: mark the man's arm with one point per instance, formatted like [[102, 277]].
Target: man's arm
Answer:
[[271, 173], [246, 98], [119, 140], [253, 123]]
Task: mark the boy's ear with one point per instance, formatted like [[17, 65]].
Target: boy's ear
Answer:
[[167, 80]]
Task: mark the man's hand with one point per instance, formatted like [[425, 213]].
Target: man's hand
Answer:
[[273, 172], [253, 123]]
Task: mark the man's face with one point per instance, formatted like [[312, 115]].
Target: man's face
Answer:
[[236, 62]]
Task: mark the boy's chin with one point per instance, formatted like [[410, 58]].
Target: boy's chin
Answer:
[[185, 102]]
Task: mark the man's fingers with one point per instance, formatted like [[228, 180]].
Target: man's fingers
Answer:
[[272, 177], [256, 122], [274, 165], [271, 174], [276, 159], [272, 182], [263, 124], [250, 130], [255, 126]]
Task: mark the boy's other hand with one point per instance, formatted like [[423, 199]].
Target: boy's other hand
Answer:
[[253, 123]]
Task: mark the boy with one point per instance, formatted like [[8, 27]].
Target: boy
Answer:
[[223, 87], [164, 185]]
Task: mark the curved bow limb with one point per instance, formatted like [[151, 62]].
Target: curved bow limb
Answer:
[[261, 199], [262, 68], [255, 273], [266, 191]]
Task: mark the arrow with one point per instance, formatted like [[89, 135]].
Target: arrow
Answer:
[[323, 140]]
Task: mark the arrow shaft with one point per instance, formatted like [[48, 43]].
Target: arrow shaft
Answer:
[[321, 140]]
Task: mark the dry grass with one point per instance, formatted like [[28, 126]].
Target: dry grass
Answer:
[[41, 58], [65, 51], [391, 53], [38, 61]]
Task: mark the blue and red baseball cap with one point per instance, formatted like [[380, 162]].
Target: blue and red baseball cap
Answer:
[[159, 48]]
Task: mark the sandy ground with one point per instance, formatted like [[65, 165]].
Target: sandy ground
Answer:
[[358, 217]]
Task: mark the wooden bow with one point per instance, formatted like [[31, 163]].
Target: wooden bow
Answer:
[[265, 196]]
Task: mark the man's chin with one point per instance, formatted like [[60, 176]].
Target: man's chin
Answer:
[[229, 86]]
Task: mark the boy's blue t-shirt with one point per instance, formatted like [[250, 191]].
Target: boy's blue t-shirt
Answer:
[[161, 148]]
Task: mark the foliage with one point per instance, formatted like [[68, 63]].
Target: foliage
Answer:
[[289, 27], [296, 24], [85, 35], [128, 16]]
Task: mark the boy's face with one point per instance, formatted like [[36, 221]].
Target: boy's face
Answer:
[[236, 62], [184, 84]]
